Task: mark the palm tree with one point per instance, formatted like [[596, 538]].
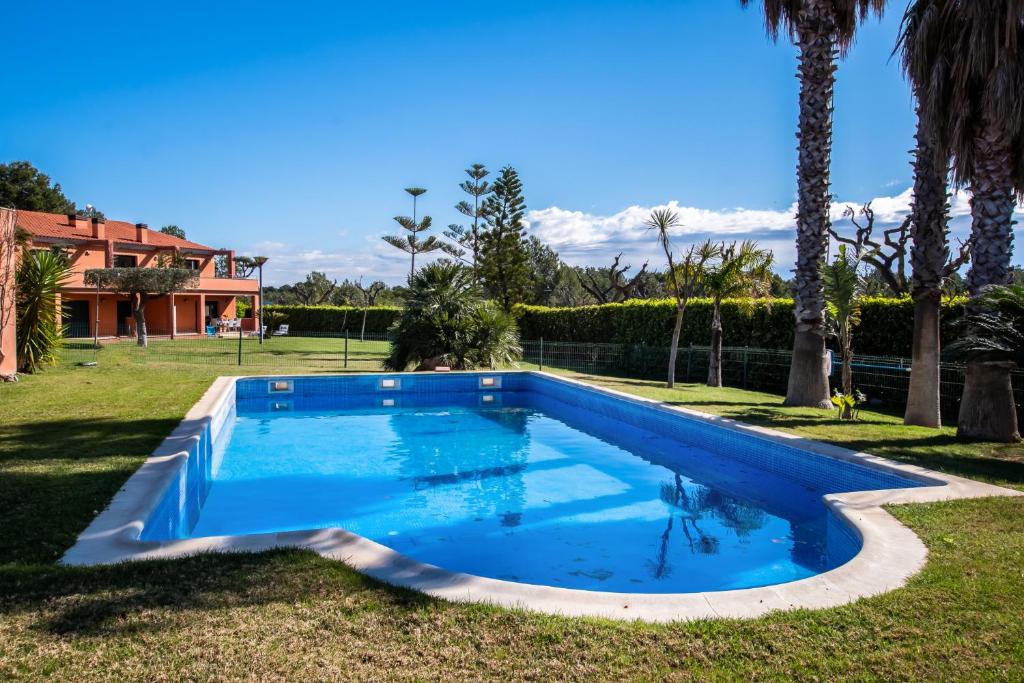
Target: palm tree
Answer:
[[844, 287], [821, 29], [927, 69], [742, 272], [411, 243], [966, 61], [991, 336], [684, 278]]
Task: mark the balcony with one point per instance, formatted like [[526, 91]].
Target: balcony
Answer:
[[207, 285]]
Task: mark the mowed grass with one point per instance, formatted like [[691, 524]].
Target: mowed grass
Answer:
[[296, 353], [70, 437]]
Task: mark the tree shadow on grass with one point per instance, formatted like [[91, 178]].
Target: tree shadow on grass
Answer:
[[74, 438], [143, 597], [690, 404], [934, 450]]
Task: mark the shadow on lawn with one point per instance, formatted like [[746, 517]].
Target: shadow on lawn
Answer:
[[934, 450], [94, 437], [145, 596]]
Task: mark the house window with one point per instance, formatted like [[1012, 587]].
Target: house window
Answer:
[[124, 261], [192, 263]]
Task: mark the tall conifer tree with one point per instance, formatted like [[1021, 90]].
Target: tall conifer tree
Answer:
[[504, 259]]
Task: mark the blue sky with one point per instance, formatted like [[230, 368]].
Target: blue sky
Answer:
[[292, 129]]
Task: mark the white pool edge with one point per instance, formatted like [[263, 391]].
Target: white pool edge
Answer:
[[890, 554]]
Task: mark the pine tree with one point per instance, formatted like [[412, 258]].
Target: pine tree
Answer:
[[466, 239], [412, 243], [504, 258]]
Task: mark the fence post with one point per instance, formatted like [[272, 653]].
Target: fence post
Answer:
[[540, 365], [239, 343], [746, 358], [346, 348]]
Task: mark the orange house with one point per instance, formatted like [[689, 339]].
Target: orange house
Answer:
[[92, 243]]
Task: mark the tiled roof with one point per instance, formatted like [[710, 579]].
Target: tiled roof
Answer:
[[57, 225]]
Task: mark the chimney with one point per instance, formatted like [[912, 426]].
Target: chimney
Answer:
[[78, 222], [141, 233], [99, 228]]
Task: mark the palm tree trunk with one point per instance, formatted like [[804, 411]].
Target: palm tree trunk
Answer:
[[816, 38], [929, 254], [847, 376], [715, 354], [987, 409], [923, 397], [674, 349]]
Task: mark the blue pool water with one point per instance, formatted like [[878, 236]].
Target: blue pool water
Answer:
[[535, 481]]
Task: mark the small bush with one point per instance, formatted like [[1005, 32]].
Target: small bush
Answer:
[[337, 319]]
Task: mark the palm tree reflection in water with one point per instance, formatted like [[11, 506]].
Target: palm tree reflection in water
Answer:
[[692, 506]]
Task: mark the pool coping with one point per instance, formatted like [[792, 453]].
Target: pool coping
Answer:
[[890, 554]]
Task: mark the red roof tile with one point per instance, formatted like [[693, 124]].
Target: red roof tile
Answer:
[[57, 225]]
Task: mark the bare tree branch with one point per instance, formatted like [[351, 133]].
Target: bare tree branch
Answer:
[[888, 257]]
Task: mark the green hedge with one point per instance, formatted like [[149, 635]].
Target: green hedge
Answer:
[[886, 324], [336, 319]]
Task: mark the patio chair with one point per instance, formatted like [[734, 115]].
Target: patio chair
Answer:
[[282, 331]]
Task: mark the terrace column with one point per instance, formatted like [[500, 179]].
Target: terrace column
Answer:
[[201, 314], [174, 318]]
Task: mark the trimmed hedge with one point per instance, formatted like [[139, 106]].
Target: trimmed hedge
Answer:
[[336, 319], [886, 327]]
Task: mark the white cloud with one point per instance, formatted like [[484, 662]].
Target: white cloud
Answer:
[[586, 239], [583, 238]]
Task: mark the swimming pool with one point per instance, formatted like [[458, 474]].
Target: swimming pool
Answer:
[[513, 479]]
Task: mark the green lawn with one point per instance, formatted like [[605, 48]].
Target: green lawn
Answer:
[[277, 354], [70, 437]]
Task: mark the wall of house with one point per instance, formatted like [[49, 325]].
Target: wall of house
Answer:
[[9, 364], [189, 312], [186, 313], [83, 258]]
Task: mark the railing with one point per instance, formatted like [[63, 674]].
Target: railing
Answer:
[[885, 380]]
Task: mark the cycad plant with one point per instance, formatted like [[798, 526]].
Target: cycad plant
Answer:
[[991, 338], [40, 276], [446, 322], [821, 30], [844, 287], [742, 272], [412, 243]]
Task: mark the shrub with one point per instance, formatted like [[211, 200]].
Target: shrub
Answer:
[[886, 327], [40, 276], [445, 322], [337, 319]]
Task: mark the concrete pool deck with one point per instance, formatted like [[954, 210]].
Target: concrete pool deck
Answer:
[[890, 554]]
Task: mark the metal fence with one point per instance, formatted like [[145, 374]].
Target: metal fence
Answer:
[[885, 380], [298, 350]]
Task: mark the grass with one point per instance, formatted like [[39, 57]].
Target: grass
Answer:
[[276, 354], [69, 438]]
